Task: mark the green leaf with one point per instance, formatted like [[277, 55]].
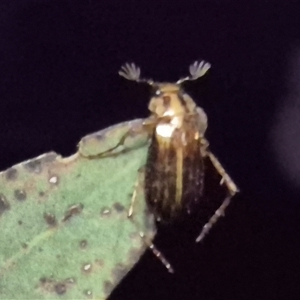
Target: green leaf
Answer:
[[64, 230]]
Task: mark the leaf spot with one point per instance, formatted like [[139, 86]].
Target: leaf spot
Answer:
[[60, 288], [50, 219], [119, 207], [83, 244], [11, 174], [75, 209], [33, 166], [86, 268], [4, 205], [53, 180], [20, 195], [88, 293], [105, 211]]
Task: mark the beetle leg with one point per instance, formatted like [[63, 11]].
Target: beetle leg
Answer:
[[231, 187], [157, 253], [150, 245], [134, 194], [218, 213]]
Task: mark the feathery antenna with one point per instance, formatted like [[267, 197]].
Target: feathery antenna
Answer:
[[133, 72], [197, 70]]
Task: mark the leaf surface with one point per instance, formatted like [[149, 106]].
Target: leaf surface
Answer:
[[64, 230]]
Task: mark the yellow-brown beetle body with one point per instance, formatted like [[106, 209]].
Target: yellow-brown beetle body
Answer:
[[175, 165], [174, 172], [174, 169]]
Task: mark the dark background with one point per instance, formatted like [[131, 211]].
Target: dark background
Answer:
[[59, 82]]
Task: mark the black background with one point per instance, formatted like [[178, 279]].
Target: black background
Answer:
[[59, 82]]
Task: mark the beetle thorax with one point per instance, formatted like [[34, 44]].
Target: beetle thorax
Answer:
[[169, 100], [168, 106]]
